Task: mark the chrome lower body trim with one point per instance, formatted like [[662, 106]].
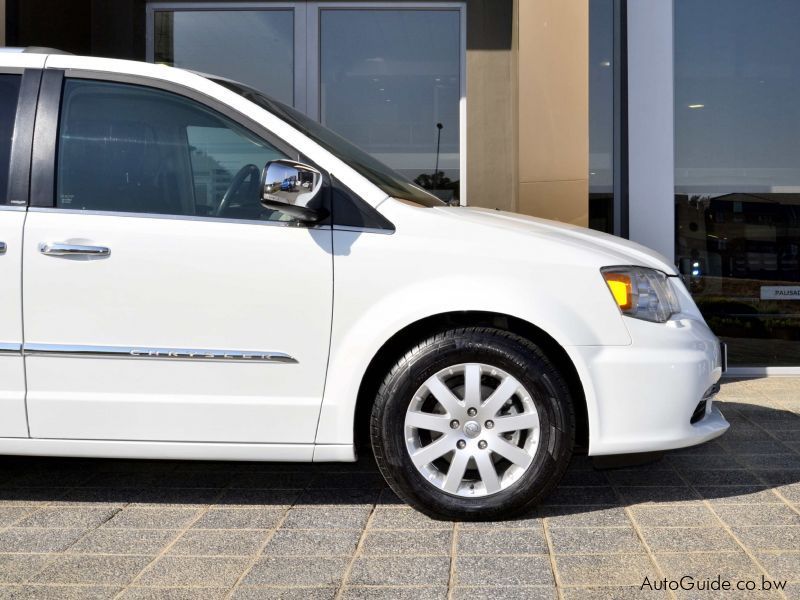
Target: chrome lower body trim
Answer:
[[6, 348], [148, 353]]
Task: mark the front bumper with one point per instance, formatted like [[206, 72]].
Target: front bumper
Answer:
[[645, 397]]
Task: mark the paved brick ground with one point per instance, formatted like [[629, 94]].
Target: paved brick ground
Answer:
[[126, 529]]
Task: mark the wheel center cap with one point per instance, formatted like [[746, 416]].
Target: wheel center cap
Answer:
[[472, 429]]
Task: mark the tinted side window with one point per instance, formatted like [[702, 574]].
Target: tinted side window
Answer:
[[9, 93], [128, 148]]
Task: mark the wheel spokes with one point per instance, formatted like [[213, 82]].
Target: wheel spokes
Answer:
[[487, 472], [428, 421], [472, 386], [516, 422], [455, 473], [432, 451], [513, 453], [507, 388], [443, 395]]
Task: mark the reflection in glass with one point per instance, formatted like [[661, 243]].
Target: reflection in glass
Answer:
[[388, 77], [601, 115], [737, 171], [255, 47]]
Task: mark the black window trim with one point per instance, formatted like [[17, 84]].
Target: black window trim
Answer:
[[19, 167]]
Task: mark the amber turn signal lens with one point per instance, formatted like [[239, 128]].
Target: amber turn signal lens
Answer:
[[620, 286]]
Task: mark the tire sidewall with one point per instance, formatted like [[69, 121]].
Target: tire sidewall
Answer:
[[513, 355]]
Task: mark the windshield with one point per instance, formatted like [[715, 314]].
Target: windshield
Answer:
[[391, 182]]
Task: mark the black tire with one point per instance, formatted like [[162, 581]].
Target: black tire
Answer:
[[516, 356]]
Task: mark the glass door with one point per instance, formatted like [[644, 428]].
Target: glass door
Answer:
[[387, 76]]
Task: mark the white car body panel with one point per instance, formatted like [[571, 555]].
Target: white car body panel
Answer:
[[334, 298], [13, 421], [177, 283]]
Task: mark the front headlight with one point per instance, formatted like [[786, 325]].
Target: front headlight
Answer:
[[642, 293]]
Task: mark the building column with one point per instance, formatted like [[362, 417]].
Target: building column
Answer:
[[553, 128], [2, 22], [651, 137]]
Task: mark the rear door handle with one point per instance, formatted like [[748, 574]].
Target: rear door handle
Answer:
[[59, 249], [3, 247]]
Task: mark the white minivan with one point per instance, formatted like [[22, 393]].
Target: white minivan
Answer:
[[192, 270]]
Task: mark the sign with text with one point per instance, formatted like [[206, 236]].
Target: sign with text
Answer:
[[780, 292]]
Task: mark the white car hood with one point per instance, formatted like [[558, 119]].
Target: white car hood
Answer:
[[629, 253]]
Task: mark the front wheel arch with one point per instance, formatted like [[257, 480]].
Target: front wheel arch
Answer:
[[406, 338]]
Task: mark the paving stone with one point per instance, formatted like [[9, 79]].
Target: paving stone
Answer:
[[394, 593], [611, 593], [326, 517], [769, 538], [762, 447], [539, 592], [371, 480], [722, 477], [63, 592], [578, 540], [533, 521], [339, 497], [657, 495], [166, 593], [683, 463], [153, 518], [612, 569], [123, 541], [239, 518], [389, 542], [782, 565], [674, 516], [278, 593], [18, 568], [29, 539], [89, 569], [791, 492], [212, 542], [193, 571], [29, 496], [69, 518], [585, 516], [645, 476], [264, 499], [323, 542], [171, 498], [316, 571], [273, 481], [739, 494], [405, 518], [570, 496], [770, 461], [754, 515], [688, 539], [701, 565], [9, 515], [503, 570], [584, 478], [501, 541], [401, 570], [195, 479]]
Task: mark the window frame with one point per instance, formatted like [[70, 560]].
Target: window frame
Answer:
[[18, 191]]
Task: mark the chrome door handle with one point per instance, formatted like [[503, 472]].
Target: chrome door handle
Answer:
[[59, 249], [3, 247]]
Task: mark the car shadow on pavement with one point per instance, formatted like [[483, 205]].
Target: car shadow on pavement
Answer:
[[760, 453]]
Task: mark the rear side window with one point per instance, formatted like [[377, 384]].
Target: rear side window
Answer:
[[129, 148], [9, 94]]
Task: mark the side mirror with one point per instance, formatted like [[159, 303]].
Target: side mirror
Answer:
[[290, 187]]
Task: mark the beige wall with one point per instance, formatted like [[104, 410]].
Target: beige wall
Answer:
[[553, 88], [491, 104]]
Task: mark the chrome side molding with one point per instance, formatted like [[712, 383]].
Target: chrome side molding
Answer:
[[147, 353], [3, 247]]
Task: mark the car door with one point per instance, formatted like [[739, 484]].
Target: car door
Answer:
[[19, 85], [162, 302]]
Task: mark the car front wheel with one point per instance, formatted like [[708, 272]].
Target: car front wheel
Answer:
[[473, 424]]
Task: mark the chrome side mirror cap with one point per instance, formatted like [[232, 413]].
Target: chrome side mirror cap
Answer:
[[291, 187]]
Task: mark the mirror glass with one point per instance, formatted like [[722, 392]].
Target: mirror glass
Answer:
[[292, 183]]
